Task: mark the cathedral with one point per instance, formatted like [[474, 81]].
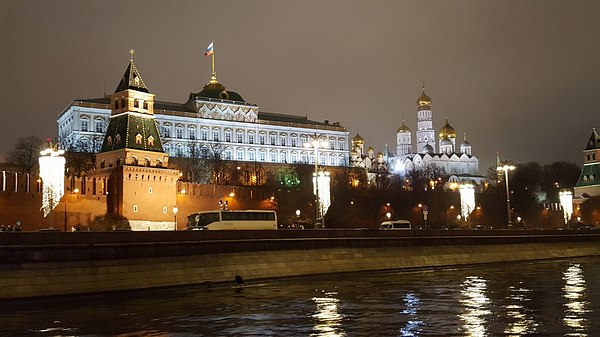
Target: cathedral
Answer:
[[458, 162]]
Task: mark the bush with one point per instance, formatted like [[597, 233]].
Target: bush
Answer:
[[109, 222]]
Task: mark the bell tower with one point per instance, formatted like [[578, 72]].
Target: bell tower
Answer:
[[425, 132]]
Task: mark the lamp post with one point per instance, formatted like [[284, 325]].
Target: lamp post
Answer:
[[315, 143], [175, 210], [507, 168]]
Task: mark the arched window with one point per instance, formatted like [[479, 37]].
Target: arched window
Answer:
[[138, 139], [150, 141], [85, 123]]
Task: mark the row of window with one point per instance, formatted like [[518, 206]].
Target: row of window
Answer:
[[241, 154], [99, 124], [229, 137]]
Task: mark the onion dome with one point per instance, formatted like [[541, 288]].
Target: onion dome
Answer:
[[380, 154], [447, 131], [424, 100], [446, 142], [358, 139], [403, 128], [215, 90], [427, 149]]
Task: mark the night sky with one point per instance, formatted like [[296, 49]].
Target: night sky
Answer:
[[519, 77]]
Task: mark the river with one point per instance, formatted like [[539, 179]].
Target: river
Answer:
[[544, 298]]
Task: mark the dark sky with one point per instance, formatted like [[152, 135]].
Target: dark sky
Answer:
[[519, 77]]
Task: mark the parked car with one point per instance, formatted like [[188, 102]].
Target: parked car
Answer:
[[395, 225]]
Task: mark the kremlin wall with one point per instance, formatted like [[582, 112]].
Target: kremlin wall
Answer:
[[90, 201]]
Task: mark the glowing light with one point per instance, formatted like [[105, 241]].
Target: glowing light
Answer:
[[476, 305], [575, 291], [467, 200], [566, 201], [329, 320], [520, 319], [324, 191], [412, 305], [52, 172]]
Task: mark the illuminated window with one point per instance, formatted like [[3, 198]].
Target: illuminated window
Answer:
[[240, 137], [118, 139], [166, 129], [151, 141], [179, 132], [138, 139], [204, 134], [135, 208], [85, 123]]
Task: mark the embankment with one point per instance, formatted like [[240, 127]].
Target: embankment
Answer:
[[57, 263]]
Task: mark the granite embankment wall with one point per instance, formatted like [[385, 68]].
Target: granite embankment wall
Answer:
[[46, 264]]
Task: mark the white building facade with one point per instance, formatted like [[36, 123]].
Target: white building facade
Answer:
[[459, 163], [213, 120]]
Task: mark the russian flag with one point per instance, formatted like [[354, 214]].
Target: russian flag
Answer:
[[209, 50]]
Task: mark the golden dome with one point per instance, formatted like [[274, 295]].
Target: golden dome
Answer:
[[403, 128], [424, 99], [447, 131], [358, 139]]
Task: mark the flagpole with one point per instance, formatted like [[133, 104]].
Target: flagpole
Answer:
[[213, 60]]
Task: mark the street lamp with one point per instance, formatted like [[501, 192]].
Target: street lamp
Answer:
[[507, 168], [315, 143], [175, 210]]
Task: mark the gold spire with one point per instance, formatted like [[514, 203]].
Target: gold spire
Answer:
[[424, 99], [131, 52]]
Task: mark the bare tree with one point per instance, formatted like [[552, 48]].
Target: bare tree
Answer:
[[80, 158], [26, 153], [421, 176]]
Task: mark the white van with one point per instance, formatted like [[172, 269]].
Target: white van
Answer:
[[395, 225]]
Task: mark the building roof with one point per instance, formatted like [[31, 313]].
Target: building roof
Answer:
[[132, 131], [594, 141], [215, 90], [132, 79], [590, 175]]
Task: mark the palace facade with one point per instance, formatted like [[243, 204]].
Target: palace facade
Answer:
[[213, 122]]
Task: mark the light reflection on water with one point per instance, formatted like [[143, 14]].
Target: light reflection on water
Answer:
[[328, 317], [550, 298], [476, 303], [575, 292], [520, 320]]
